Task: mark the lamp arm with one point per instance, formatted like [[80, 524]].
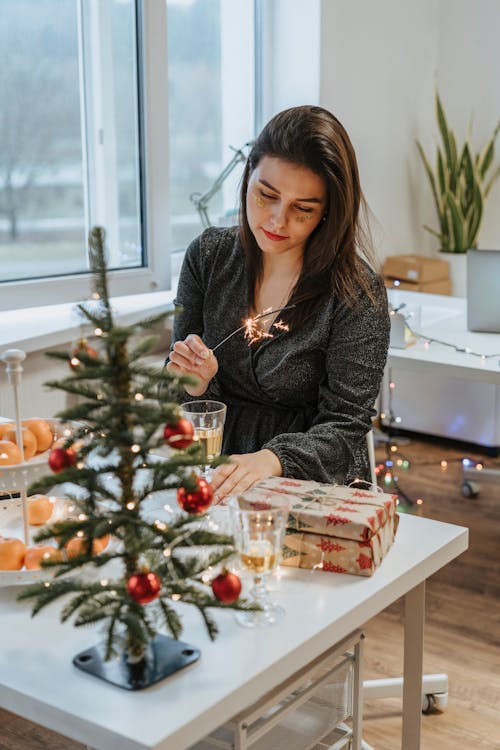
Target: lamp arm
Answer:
[[201, 200]]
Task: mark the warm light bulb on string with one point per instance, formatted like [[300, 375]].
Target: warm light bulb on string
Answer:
[[427, 340], [444, 464]]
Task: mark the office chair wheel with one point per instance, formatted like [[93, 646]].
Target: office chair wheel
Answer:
[[470, 489], [432, 702]]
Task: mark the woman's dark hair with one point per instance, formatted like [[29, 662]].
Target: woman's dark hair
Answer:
[[312, 137]]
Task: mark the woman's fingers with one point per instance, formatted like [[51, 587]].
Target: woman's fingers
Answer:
[[232, 478], [243, 472], [192, 357]]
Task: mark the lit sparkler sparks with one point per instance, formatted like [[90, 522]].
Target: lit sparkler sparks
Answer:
[[252, 330]]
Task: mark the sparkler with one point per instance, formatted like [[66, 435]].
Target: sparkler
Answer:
[[253, 332]]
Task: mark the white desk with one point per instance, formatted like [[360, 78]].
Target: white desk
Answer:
[[438, 390], [39, 682]]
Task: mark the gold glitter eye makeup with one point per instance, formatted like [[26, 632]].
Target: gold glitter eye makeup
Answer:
[[304, 217], [259, 200]]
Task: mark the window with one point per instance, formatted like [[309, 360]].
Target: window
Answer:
[[119, 110], [69, 144], [211, 112]]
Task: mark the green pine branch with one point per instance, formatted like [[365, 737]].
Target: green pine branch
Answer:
[[117, 428]]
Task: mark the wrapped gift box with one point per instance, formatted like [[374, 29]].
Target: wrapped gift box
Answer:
[[337, 554], [331, 527]]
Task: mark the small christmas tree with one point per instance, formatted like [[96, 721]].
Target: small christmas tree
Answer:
[[110, 457]]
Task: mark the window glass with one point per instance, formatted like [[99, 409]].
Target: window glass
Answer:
[[210, 67], [68, 137]]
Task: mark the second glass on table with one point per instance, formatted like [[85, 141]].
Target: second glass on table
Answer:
[[207, 418]]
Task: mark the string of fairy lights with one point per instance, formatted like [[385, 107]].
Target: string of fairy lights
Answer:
[[395, 462], [428, 340], [389, 469]]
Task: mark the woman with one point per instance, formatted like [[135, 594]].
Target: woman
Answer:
[[300, 401]]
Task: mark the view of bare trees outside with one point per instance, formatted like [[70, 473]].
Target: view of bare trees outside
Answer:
[[42, 214], [41, 192], [46, 153]]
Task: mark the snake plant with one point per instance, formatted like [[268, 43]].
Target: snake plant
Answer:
[[460, 185]]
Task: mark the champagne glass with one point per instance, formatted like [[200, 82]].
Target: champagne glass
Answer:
[[258, 530], [207, 418]]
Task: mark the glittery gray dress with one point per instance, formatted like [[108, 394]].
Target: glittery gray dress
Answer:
[[308, 394]]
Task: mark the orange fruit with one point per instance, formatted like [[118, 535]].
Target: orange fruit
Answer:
[[100, 544], [42, 431], [39, 510], [77, 546], [35, 555], [5, 427], [12, 553], [29, 441], [9, 453]]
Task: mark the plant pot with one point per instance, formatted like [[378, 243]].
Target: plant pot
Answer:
[[458, 272]]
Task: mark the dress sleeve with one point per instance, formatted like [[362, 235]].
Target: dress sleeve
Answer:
[[191, 298], [355, 360]]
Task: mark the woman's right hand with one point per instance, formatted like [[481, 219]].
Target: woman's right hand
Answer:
[[192, 357]]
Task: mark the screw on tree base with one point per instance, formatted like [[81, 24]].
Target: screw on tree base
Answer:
[[164, 657]]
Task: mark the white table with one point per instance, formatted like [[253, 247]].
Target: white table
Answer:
[[439, 390], [39, 682]]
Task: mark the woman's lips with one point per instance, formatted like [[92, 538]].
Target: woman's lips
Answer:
[[274, 237]]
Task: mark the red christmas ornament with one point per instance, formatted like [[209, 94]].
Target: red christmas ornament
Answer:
[[143, 587], [61, 458], [179, 435], [82, 348], [226, 587], [198, 500]]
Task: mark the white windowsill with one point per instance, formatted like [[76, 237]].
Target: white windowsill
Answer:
[[38, 328]]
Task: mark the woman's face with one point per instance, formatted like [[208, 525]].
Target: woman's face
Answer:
[[285, 203]]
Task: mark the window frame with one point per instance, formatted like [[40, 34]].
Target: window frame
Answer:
[[154, 275]]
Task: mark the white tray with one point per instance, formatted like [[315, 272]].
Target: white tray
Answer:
[[20, 476], [11, 525]]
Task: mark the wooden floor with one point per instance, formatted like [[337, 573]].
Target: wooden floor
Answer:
[[462, 636]]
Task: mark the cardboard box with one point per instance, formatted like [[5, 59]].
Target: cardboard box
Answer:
[[416, 269], [440, 286]]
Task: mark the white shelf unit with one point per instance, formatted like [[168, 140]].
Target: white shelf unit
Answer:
[[307, 712]]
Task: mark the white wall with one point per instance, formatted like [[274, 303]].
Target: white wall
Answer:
[[468, 66], [377, 69], [291, 65], [379, 64]]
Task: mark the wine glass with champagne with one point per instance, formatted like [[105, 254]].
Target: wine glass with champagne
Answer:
[[207, 418], [258, 530]]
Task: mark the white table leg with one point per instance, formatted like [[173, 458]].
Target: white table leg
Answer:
[[413, 661], [357, 709]]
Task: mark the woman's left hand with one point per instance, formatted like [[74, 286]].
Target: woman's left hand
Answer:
[[243, 472]]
